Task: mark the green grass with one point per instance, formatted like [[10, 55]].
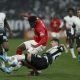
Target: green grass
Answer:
[[64, 68]]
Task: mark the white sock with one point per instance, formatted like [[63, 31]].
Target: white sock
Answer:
[[67, 46], [20, 57], [72, 52], [66, 49]]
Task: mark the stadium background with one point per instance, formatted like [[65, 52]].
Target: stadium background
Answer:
[[45, 9], [64, 68]]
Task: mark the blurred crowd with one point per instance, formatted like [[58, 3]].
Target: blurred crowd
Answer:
[[41, 8]]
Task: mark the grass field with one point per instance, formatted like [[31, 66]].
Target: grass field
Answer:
[[64, 68]]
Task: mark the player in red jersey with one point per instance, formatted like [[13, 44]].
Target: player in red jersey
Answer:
[[55, 26], [40, 37]]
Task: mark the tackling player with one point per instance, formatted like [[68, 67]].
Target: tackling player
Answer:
[[40, 37], [70, 30], [37, 62]]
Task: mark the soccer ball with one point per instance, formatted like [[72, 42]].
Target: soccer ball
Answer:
[[12, 61]]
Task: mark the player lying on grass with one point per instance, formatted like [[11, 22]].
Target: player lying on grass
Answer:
[[37, 62]]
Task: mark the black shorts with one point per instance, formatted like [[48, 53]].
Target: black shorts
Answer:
[[38, 62], [78, 40], [69, 35], [3, 37]]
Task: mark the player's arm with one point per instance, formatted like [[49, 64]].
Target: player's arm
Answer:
[[63, 25], [74, 27], [6, 25]]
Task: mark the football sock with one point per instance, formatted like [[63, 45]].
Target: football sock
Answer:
[[20, 57], [72, 53], [19, 51]]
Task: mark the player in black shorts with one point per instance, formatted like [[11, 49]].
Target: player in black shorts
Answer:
[[39, 62], [35, 61], [78, 33]]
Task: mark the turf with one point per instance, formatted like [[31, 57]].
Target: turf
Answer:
[[64, 68]]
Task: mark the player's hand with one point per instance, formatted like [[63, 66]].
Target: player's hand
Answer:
[[34, 46]]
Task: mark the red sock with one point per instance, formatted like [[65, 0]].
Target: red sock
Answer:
[[18, 51]]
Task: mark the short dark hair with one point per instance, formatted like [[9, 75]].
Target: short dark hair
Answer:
[[32, 20], [55, 39], [70, 9], [78, 9]]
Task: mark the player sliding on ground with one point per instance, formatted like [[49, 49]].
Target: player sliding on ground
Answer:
[[35, 61]]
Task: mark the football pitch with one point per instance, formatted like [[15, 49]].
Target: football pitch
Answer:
[[64, 68]]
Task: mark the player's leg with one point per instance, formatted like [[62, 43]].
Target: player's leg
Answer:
[[78, 46], [71, 43], [32, 50], [5, 46], [5, 42], [2, 53], [36, 50], [25, 46], [20, 48]]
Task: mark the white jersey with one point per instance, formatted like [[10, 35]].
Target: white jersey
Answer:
[[69, 21], [2, 18], [77, 23]]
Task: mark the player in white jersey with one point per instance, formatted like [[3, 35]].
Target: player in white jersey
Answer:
[[70, 30], [3, 38], [77, 23], [3, 27]]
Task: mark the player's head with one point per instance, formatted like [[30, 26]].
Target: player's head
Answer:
[[78, 12], [70, 11], [54, 42], [32, 21]]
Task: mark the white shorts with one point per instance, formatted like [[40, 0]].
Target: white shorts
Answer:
[[32, 50], [63, 34], [55, 35]]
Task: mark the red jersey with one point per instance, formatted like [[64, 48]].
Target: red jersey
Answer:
[[41, 35], [54, 25]]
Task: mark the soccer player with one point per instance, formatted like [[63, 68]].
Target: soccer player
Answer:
[[70, 30], [37, 62], [40, 37], [55, 26], [3, 38], [77, 22]]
